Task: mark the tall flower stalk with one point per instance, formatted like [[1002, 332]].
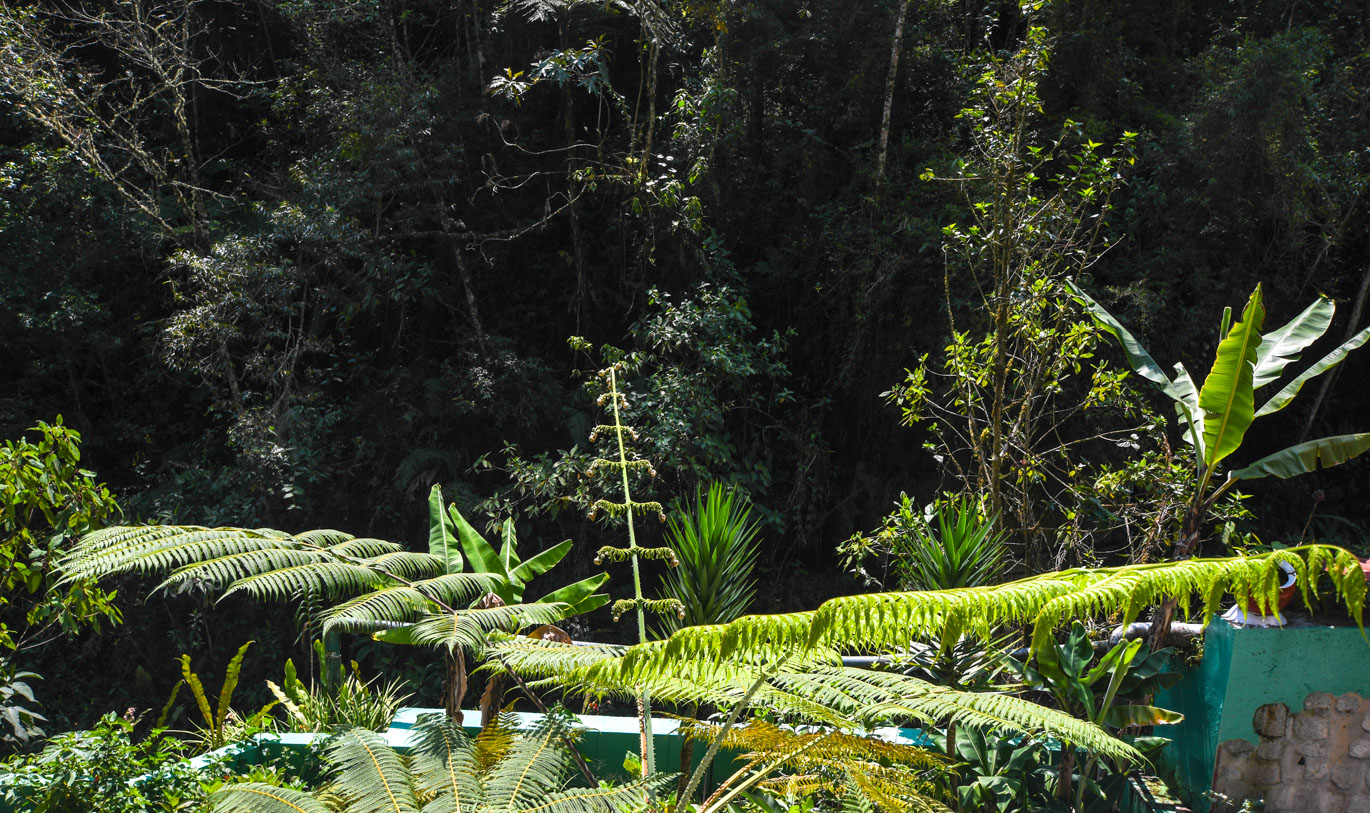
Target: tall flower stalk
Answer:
[[634, 553]]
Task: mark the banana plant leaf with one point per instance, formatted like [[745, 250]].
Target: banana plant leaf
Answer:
[[1128, 716], [442, 536], [1286, 394], [580, 596], [1227, 398], [1137, 355], [1306, 457], [1282, 346]]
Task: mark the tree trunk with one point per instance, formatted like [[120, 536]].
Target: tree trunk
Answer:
[[454, 688], [890, 82]]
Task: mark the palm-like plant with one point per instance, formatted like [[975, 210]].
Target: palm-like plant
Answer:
[[963, 550], [715, 546], [446, 771]]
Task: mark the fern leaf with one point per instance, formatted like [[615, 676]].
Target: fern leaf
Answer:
[[445, 766], [256, 797], [615, 799], [533, 768], [370, 774]]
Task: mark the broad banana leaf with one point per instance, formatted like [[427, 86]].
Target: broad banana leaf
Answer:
[[482, 554], [1282, 345], [1282, 398], [1128, 716], [1137, 355], [524, 572], [1227, 398], [442, 538], [1187, 407], [581, 596], [1306, 457]]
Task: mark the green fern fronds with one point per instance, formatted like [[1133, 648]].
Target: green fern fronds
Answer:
[[839, 696], [885, 622], [500, 771], [256, 797], [374, 776]]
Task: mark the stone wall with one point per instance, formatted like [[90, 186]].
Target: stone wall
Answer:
[[1311, 761]]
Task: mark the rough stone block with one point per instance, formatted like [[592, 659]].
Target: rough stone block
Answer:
[[1266, 773], [1313, 769], [1329, 801], [1360, 804], [1318, 701], [1237, 747], [1360, 748], [1348, 702], [1271, 720], [1312, 748], [1310, 728], [1270, 749], [1365, 723], [1346, 775]]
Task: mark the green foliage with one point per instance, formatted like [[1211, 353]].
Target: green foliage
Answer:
[[1128, 671], [107, 769], [446, 772], [221, 725], [48, 500], [715, 548], [1007, 404], [962, 548], [353, 703], [884, 622]]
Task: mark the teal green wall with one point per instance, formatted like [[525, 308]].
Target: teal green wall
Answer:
[[1244, 668]]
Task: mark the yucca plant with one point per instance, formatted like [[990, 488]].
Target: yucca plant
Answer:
[[446, 771], [715, 544]]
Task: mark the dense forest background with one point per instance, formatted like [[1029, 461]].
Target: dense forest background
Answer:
[[287, 263]]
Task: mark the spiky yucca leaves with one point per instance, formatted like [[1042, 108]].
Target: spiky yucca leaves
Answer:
[[892, 776], [813, 689], [446, 772]]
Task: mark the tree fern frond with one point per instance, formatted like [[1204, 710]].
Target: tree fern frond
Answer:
[[614, 799], [362, 548], [332, 579], [466, 629], [445, 766], [160, 548], [378, 609], [455, 588], [495, 740], [327, 537], [407, 564], [370, 774], [222, 571], [256, 797], [535, 766], [887, 621]]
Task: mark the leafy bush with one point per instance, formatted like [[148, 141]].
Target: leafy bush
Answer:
[[106, 769]]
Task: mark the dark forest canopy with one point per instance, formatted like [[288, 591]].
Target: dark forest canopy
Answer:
[[289, 262]]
